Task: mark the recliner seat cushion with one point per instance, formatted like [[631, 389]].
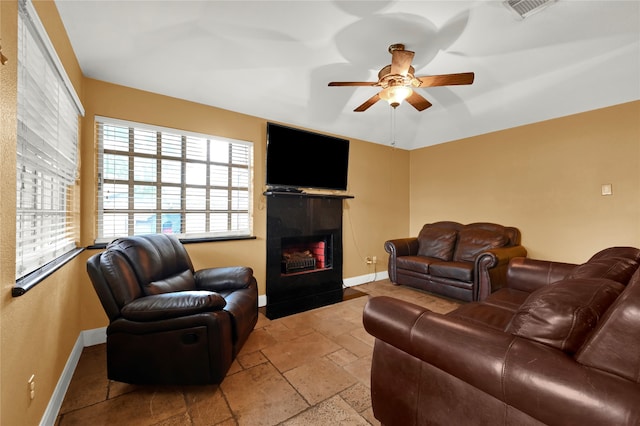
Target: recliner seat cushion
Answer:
[[563, 314], [436, 242], [172, 305], [473, 241]]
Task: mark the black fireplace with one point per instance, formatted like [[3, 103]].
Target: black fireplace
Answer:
[[304, 252]]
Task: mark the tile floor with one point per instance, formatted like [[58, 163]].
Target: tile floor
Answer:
[[311, 368]]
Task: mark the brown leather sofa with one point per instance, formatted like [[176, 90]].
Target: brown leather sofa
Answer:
[[465, 262], [169, 324], [559, 345]]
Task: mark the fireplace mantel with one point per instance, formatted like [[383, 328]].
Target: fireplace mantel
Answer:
[[294, 218], [306, 194]]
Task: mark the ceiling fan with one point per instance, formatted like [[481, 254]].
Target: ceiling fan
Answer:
[[398, 81]]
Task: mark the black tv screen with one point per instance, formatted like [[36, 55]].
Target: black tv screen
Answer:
[[302, 159]]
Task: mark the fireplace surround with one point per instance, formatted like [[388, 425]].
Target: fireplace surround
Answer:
[[304, 251]]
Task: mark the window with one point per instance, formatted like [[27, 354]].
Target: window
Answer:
[[158, 180], [47, 151]]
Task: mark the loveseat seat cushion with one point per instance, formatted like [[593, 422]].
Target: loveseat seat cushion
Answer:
[[183, 281], [461, 271], [437, 242], [418, 264], [472, 241], [563, 314]]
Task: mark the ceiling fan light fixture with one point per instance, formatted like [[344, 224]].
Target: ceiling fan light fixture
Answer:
[[395, 95]]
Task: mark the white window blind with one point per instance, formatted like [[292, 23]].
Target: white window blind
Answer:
[[158, 180], [47, 150]]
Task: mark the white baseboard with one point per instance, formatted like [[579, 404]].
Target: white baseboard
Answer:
[[86, 338], [363, 279]]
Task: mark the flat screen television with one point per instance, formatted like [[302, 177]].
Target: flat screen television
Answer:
[[302, 159]]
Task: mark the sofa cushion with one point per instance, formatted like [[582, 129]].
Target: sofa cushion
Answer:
[[414, 263], [473, 241], [461, 271], [180, 282], [618, 269], [438, 243], [564, 313]]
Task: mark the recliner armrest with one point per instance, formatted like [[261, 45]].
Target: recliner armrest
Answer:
[[172, 305], [491, 269], [224, 278]]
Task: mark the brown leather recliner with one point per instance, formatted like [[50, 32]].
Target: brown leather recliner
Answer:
[[169, 324]]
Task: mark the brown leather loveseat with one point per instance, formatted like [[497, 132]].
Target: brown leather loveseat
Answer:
[[465, 262], [559, 345], [170, 324]]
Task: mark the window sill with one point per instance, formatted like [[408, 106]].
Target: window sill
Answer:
[[29, 281], [189, 241]]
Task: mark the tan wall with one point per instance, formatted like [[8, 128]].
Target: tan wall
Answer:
[[543, 178], [37, 330]]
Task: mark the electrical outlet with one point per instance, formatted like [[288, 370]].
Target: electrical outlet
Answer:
[[375, 260], [368, 260], [32, 386]]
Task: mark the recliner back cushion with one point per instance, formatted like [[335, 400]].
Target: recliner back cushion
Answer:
[[155, 258], [437, 242], [473, 241], [563, 314], [120, 277]]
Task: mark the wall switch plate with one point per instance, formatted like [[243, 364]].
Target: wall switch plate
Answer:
[[607, 189]]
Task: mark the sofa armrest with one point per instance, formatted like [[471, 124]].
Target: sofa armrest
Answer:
[[172, 305], [527, 274], [399, 247], [490, 269], [536, 379], [224, 278]]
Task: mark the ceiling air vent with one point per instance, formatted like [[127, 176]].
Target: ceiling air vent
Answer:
[[524, 8]]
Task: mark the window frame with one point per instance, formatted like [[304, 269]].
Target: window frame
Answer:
[[30, 269], [158, 211]]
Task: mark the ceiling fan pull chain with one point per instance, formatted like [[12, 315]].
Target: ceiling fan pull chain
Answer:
[[393, 126]]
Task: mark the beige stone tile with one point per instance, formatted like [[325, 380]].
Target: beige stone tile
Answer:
[[89, 384], [258, 339], [206, 405], [119, 388], [177, 420], [234, 368], [334, 411], [260, 396], [342, 357], [368, 415], [353, 345], [291, 354], [358, 396], [361, 370], [145, 406], [319, 380], [251, 359], [362, 335], [281, 333]]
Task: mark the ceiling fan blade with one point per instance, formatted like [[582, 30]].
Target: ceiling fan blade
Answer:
[[446, 79], [353, 83], [418, 101], [401, 61], [372, 100]]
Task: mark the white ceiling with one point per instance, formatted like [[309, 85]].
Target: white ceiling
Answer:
[[273, 59]]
